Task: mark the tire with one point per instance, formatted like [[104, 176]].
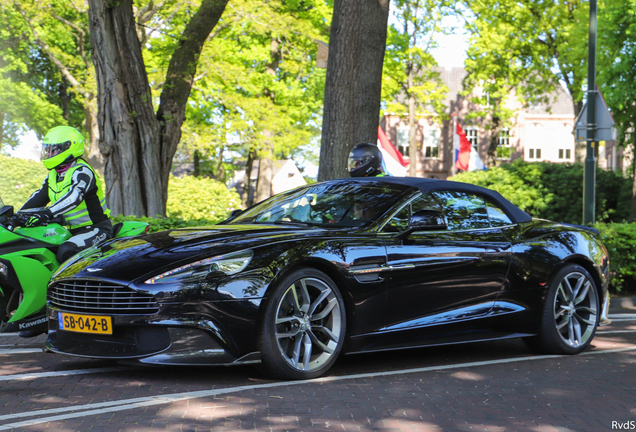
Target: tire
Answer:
[[570, 314], [303, 326]]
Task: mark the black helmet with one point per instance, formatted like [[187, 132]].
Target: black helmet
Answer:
[[365, 160]]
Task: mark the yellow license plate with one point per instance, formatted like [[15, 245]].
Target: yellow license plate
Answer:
[[85, 323]]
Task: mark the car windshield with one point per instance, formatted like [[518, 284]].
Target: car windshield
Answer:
[[334, 204]]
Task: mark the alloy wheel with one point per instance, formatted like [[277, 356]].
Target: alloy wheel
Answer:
[[575, 309], [308, 324]]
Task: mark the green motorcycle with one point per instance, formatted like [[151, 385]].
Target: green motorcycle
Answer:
[[27, 260]]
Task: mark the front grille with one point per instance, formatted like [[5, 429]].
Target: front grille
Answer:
[[82, 295]]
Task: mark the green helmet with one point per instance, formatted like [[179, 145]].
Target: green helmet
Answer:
[[61, 145]]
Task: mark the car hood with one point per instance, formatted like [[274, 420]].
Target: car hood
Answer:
[[130, 258]]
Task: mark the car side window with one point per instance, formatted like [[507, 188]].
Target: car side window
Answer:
[[399, 222], [496, 215], [462, 210]]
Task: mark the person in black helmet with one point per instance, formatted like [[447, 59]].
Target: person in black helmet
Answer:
[[365, 160]]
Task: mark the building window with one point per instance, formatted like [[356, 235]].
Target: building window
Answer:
[[535, 138], [565, 154], [503, 145], [431, 143], [471, 134], [403, 139]]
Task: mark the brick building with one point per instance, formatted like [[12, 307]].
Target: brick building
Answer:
[[537, 133]]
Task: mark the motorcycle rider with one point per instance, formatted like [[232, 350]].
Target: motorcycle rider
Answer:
[[365, 160], [74, 191]]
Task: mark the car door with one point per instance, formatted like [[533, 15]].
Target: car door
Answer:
[[445, 276]]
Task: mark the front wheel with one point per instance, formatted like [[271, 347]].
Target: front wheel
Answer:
[[303, 326], [570, 315]]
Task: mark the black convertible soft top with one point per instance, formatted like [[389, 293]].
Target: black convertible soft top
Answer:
[[428, 185]]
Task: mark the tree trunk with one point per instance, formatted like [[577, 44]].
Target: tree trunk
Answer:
[[264, 181], [128, 129], [64, 98], [1, 129], [578, 106], [138, 146], [266, 156], [197, 164], [632, 209], [247, 197], [412, 143], [354, 81], [491, 154], [176, 90], [219, 173], [265, 169], [94, 156]]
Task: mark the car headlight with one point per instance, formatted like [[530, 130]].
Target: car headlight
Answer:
[[225, 264]]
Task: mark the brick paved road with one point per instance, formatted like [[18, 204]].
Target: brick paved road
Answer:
[[495, 386]]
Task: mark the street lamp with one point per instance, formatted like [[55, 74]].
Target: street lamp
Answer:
[[589, 172]]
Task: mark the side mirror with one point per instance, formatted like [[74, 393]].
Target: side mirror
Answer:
[[6, 211], [427, 220], [232, 215], [235, 213]]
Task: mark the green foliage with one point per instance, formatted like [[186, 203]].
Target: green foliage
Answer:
[[555, 191], [162, 224], [257, 87], [193, 198], [45, 71], [525, 46], [408, 52], [616, 72], [19, 178], [191, 201], [23, 108], [620, 241]]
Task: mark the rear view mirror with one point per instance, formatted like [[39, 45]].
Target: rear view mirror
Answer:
[[6, 211], [427, 219]]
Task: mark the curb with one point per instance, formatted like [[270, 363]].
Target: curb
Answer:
[[622, 304]]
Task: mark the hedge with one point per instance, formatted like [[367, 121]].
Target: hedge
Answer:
[[195, 198], [620, 241], [19, 178], [191, 201], [555, 191]]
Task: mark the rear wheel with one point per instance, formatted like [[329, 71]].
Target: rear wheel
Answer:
[[570, 314], [303, 326]]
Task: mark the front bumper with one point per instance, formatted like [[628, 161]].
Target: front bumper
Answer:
[[147, 345], [162, 339]]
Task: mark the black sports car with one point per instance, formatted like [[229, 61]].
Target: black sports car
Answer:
[[343, 266]]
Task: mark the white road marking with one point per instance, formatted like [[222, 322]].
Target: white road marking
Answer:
[[602, 332], [32, 376], [622, 315], [121, 405], [20, 351]]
